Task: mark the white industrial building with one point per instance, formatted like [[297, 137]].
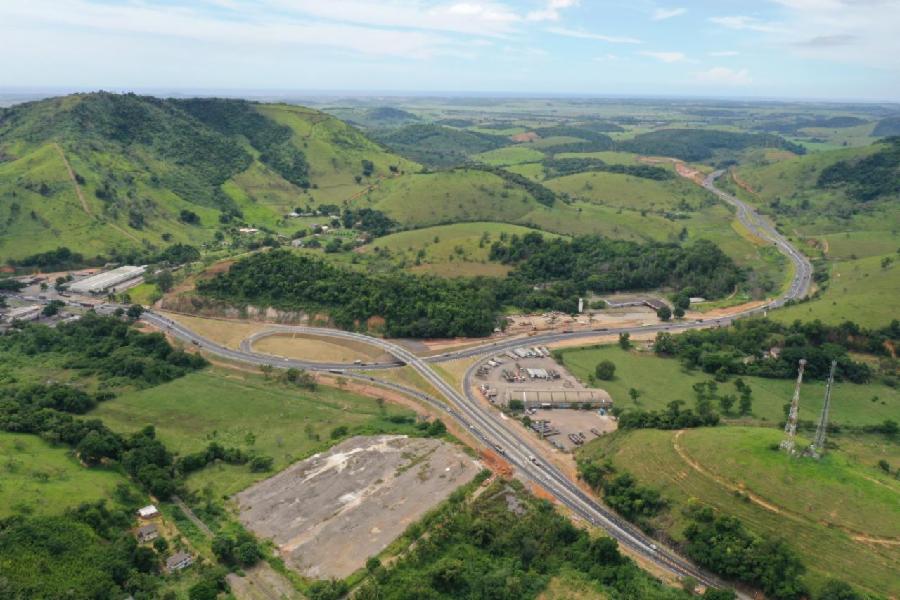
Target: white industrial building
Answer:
[[110, 281], [24, 313]]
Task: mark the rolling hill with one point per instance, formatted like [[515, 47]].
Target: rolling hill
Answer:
[[108, 173]]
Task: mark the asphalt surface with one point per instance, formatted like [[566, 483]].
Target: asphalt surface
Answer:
[[481, 422]]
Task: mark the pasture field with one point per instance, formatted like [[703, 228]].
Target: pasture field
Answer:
[[449, 196], [246, 411], [448, 249], [841, 516], [532, 170], [861, 244], [510, 155], [861, 291], [42, 479], [633, 193], [661, 380]]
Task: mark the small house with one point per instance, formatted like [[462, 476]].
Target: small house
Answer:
[[148, 512], [178, 561], [147, 533]]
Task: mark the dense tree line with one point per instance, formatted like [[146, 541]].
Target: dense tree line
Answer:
[[700, 144], [107, 347], [673, 417], [543, 195], [412, 306], [60, 259], [371, 221], [723, 545], [504, 546], [560, 167], [596, 264], [637, 503], [239, 117], [746, 348], [869, 178], [435, 145], [590, 140]]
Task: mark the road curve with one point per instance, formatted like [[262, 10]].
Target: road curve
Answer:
[[466, 409]]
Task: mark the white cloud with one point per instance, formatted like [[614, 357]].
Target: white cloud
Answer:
[[666, 57], [551, 11], [724, 53], [606, 57], [743, 22], [661, 14], [587, 35], [725, 76]]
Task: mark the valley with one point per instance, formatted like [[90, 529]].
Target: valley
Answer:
[[319, 279]]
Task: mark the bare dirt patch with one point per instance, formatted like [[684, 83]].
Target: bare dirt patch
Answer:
[[329, 513], [261, 583]]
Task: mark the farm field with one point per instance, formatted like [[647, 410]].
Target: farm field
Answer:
[[42, 479], [634, 193], [661, 380], [245, 411], [793, 499]]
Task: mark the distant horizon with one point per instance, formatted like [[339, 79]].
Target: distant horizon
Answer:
[[43, 92]]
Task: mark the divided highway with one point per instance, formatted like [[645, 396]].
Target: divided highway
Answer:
[[493, 432], [481, 422]]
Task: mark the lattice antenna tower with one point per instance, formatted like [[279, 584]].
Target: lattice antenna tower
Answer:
[[818, 446], [790, 428]]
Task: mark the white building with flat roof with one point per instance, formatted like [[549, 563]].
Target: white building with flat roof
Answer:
[[108, 281]]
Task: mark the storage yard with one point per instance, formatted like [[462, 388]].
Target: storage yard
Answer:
[[562, 411], [331, 512]]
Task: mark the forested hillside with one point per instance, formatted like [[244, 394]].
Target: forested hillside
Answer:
[[108, 172]]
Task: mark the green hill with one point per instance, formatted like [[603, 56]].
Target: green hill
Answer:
[[438, 146], [107, 173]]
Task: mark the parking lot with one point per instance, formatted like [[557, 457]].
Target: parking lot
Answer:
[[559, 406], [566, 428]]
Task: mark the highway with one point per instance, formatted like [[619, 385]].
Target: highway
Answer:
[[493, 432]]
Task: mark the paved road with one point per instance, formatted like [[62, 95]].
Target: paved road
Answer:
[[467, 410]]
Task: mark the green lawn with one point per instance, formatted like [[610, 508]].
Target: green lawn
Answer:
[[38, 478], [245, 411], [661, 380], [817, 502]]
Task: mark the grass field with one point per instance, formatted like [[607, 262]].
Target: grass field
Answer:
[[860, 290], [236, 409], [38, 478], [661, 380], [321, 349], [819, 508], [462, 248], [510, 155], [635, 193]]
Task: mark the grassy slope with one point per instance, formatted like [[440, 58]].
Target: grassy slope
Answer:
[[38, 222], [42, 479], [511, 155], [806, 492], [459, 248], [224, 406], [662, 380], [859, 290]]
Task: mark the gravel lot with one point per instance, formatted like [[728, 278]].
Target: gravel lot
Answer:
[[329, 513]]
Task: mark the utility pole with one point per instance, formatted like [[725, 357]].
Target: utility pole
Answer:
[[817, 448], [790, 428]]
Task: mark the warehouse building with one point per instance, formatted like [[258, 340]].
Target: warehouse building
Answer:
[[110, 281]]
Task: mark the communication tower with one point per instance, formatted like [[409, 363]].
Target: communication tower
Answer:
[[790, 428], [817, 448]]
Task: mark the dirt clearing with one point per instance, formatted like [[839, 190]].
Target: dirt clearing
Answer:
[[331, 512], [320, 349]]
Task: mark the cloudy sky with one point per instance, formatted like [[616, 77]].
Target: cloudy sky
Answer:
[[837, 49]]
